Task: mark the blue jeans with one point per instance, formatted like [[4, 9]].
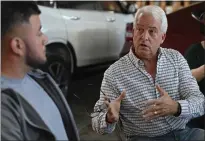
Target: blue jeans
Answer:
[[187, 134]]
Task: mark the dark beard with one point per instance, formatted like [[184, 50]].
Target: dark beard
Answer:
[[30, 59], [32, 62]]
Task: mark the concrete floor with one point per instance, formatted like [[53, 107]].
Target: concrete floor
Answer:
[[87, 87]]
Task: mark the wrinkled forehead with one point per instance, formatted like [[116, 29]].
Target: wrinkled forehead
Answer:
[[148, 20]]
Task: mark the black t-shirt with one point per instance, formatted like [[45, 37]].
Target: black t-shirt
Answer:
[[195, 56]]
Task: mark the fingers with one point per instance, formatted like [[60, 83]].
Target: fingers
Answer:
[[106, 103], [149, 115], [122, 96], [106, 98], [161, 91], [111, 117], [154, 114], [153, 102], [119, 99], [151, 109], [113, 107], [112, 114]]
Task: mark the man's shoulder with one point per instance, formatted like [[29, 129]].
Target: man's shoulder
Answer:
[[10, 115], [121, 63], [14, 101], [9, 98], [171, 53]]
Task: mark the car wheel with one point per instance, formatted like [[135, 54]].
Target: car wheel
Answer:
[[60, 70]]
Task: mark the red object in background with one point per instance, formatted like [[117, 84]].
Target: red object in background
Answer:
[[129, 32], [128, 39], [183, 30]]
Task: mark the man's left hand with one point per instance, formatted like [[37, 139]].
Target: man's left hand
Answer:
[[160, 107]]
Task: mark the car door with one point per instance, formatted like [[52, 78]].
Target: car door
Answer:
[[116, 21], [86, 30]]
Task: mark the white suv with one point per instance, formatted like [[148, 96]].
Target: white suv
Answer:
[[81, 34]]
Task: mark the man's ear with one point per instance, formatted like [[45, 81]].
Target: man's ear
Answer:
[[17, 46], [163, 37]]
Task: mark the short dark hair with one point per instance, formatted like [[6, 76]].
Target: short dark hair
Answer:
[[16, 12]]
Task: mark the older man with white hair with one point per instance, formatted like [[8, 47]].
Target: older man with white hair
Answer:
[[151, 89]]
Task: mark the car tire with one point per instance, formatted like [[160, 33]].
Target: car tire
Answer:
[[59, 65]]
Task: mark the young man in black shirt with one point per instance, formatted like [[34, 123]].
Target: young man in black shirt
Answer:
[[195, 56]]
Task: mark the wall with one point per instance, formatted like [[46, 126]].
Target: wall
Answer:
[[183, 29]]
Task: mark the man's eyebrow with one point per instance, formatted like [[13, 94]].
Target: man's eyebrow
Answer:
[[152, 27]]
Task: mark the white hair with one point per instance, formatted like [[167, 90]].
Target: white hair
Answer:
[[157, 12]]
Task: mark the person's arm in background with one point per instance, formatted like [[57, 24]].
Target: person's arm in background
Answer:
[[192, 103], [199, 73]]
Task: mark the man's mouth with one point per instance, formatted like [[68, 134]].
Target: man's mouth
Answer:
[[144, 45]]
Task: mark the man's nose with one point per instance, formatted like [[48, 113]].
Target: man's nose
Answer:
[[145, 35], [45, 40]]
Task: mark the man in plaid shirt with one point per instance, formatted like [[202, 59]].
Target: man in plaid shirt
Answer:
[[151, 89]]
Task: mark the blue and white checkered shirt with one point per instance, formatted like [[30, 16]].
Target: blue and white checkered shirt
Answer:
[[129, 74]]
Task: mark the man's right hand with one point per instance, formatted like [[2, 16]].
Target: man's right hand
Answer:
[[114, 108]]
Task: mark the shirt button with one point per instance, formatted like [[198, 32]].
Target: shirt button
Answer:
[[141, 63]]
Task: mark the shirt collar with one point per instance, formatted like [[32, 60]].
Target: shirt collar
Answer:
[[6, 81], [139, 62]]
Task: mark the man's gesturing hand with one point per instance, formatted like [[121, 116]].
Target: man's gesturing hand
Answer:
[[114, 109], [163, 106]]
